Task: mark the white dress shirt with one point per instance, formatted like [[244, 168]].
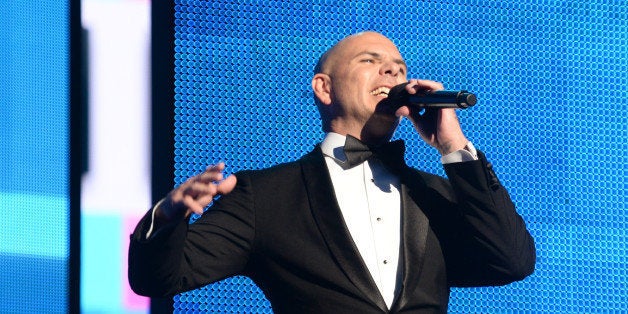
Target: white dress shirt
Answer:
[[369, 199]]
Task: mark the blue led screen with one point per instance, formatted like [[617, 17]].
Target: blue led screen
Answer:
[[34, 156], [550, 76]]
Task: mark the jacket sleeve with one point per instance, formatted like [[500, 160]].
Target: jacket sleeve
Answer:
[[489, 243], [180, 256]]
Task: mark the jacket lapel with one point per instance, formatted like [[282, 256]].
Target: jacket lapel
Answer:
[[330, 221], [414, 230]]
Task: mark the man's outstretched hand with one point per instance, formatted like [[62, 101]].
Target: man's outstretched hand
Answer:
[[196, 193]]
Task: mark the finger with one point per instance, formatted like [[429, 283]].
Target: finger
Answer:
[[415, 85], [227, 185], [205, 200], [412, 86], [199, 199], [212, 173], [198, 189], [220, 166], [403, 111], [193, 205], [430, 85], [210, 176], [208, 192]]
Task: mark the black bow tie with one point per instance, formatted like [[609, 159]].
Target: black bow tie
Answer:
[[390, 153]]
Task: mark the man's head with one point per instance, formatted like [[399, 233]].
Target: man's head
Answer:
[[351, 78]]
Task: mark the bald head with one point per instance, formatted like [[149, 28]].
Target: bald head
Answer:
[[329, 59], [351, 78]]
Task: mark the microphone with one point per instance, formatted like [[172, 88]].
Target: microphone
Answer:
[[398, 96]]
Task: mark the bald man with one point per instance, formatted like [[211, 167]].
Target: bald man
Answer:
[[349, 227]]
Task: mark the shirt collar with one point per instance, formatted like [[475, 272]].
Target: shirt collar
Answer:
[[333, 146]]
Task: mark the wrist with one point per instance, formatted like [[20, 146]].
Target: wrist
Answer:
[[166, 211], [452, 146]]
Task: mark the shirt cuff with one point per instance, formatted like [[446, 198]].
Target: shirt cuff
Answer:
[[469, 153], [152, 219]]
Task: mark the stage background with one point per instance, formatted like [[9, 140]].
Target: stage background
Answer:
[[115, 186], [34, 157], [551, 78]]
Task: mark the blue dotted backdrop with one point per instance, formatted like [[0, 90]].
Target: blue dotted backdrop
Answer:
[[551, 79], [34, 156]]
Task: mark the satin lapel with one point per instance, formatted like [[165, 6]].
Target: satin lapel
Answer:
[[331, 224], [414, 229]]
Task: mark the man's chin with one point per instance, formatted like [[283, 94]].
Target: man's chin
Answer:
[[386, 107], [380, 127]]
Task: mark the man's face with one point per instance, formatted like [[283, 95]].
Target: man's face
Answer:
[[363, 70]]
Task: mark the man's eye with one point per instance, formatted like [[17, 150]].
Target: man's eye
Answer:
[[368, 60]]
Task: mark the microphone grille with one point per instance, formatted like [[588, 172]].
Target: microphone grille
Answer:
[[471, 99]]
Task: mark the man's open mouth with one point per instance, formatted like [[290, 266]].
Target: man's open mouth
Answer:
[[381, 91]]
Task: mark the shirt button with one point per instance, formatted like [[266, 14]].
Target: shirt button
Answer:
[[379, 218], [385, 261]]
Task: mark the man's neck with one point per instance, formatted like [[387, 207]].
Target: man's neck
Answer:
[[373, 132]]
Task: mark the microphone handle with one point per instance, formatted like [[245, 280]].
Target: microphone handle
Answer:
[[442, 99]]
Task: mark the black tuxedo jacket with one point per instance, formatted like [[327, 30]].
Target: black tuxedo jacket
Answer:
[[283, 228]]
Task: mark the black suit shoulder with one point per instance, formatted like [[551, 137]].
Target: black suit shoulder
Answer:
[[287, 167]]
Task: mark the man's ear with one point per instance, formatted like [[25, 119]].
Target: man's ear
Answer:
[[321, 85]]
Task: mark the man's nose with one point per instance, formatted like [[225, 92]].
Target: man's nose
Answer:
[[390, 68]]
